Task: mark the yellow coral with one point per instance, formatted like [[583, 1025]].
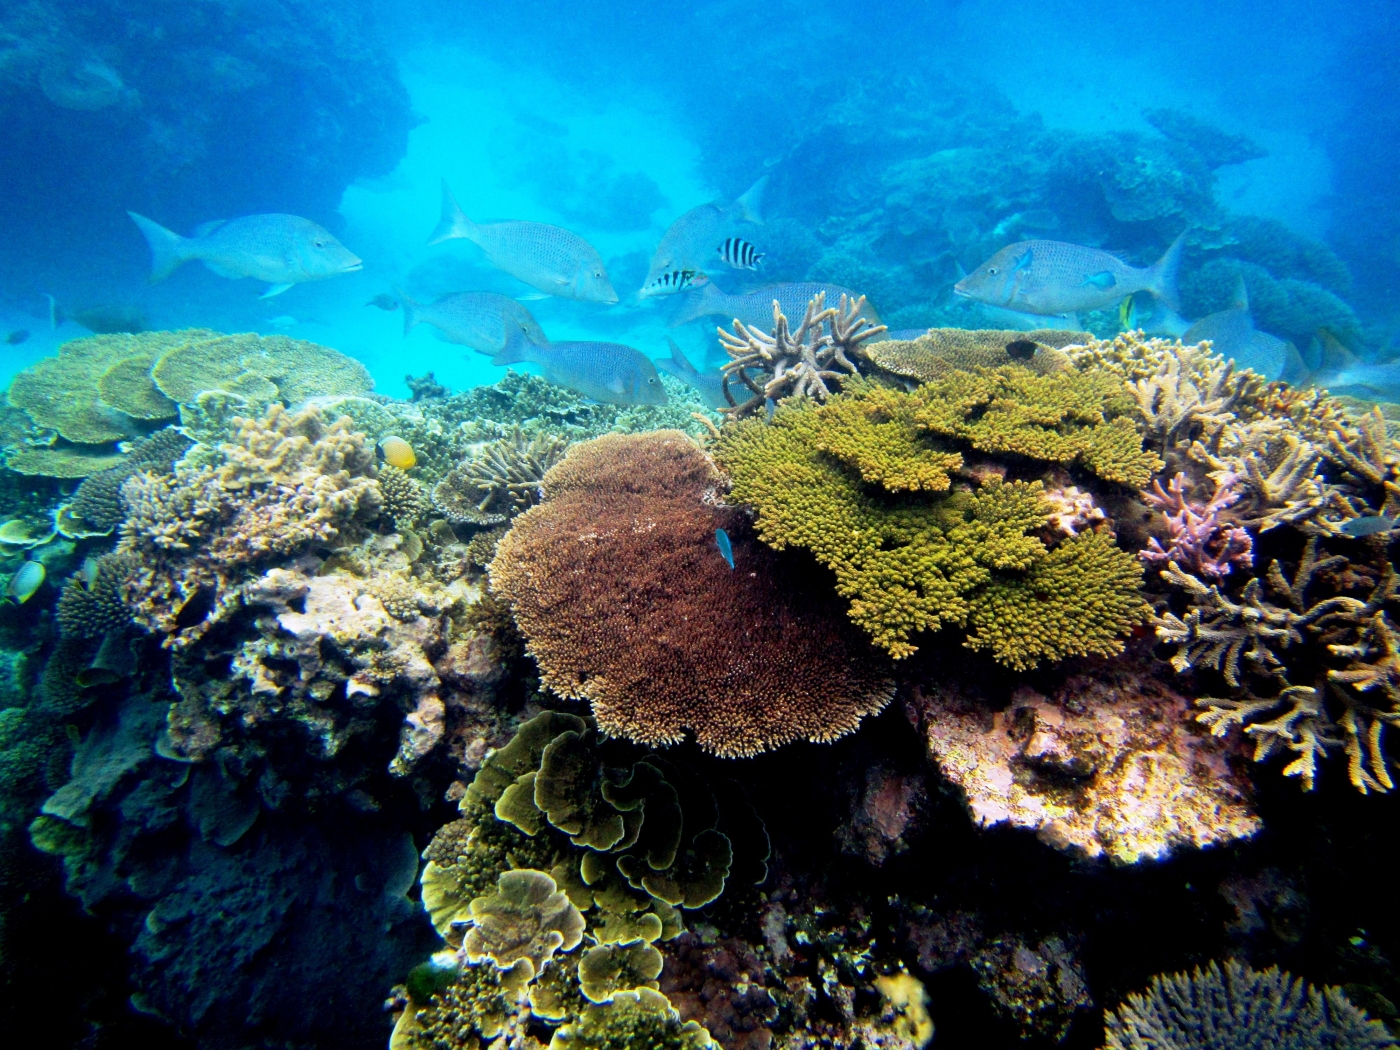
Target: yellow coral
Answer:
[[909, 565]]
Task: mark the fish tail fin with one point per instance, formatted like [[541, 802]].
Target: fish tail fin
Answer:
[[1161, 277], [453, 223], [518, 347], [750, 205], [167, 246], [1334, 356], [410, 310], [697, 304], [1240, 300]]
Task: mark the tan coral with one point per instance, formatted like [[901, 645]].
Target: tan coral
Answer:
[[1110, 766]]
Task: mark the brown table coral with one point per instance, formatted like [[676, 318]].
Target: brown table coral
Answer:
[[617, 584], [1109, 766]]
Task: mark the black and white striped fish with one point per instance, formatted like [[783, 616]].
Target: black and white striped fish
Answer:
[[740, 254], [674, 281]]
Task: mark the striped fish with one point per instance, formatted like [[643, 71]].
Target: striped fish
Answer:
[[674, 281], [740, 254]]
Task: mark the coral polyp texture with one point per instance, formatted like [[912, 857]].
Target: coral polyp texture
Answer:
[[286, 483], [626, 601], [499, 480], [1109, 766], [1234, 1006], [866, 483], [939, 352]]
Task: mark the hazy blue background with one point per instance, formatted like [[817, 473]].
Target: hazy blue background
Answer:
[[614, 118]]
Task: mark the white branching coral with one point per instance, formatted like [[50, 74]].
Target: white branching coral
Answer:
[[795, 364]]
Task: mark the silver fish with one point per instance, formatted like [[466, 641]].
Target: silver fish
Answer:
[[709, 385], [1342, 372], [740, 254], [1020, 321], [674, 281], [483, 321], [1232, 334], [608, 372], [691, 241], [1152, 316], [550, 258], [1055, 277], [756, 308], [281, 249], [1370, 526]]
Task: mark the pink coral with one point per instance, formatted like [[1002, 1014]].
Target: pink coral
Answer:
[[1201, 542]]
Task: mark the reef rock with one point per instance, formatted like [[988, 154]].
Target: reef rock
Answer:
[[1110, 766]]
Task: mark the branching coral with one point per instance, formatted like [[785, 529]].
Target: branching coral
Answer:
[[830, 478], [91, 603], [499, 480], [1233, 1007], [624, 600], [1200, 540], [801, 364]]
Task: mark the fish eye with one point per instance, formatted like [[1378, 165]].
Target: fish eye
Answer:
[[991, 269], [320, 244]]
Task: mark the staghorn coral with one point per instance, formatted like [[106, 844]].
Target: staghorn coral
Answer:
[[498, 481], [286, 483], [939, 352], [797, 364], [964, 557], [1109, 766], [1200, 540], [624, 600], [1233, 1006]]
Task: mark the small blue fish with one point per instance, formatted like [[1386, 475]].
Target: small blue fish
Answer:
[[725, 547], [1359, 527]]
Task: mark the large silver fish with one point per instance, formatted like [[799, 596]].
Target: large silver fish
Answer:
[[755, 309], [709, 385], [281, 249], [550, 258], [694, 241], [1055, 277], [1342, 372], [483, 321], [608, 372], [1232, 334]]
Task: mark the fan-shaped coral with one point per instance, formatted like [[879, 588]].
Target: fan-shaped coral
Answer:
[[526, 920], [1234, 1007], [624, 600]]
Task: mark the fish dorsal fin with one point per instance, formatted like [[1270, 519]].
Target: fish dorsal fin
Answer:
[[1335, 356], [750, 205], [204, 229], [1240, 300], [679, 359]]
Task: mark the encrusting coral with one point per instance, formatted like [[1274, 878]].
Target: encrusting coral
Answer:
[[833, 478], [625, 600], [1234, 1006], [286, 483], [1108, 766], [801, 364]]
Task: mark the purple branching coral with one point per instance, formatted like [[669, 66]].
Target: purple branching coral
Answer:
[[1199, 538]]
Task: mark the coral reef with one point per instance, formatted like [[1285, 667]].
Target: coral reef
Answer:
[[942, 351], [955, 556], [97, 501], [1109, 766], [630, 1021], [91, 603], [1223, 1007], [624, 600], [261, 369], [1199, 539], [499, 480], [801, 364]]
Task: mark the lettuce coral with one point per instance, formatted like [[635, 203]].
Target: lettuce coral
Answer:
[[831, 479], [624, 600]]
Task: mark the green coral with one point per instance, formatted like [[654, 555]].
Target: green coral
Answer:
[[831, 479], [525, 921], [638, 1020], [606, 969], [478, 1004], [1063, 417]]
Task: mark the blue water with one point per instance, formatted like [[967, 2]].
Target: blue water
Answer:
[[612, 120]]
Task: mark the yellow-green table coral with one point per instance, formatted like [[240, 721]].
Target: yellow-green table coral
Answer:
[[863, 485]]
